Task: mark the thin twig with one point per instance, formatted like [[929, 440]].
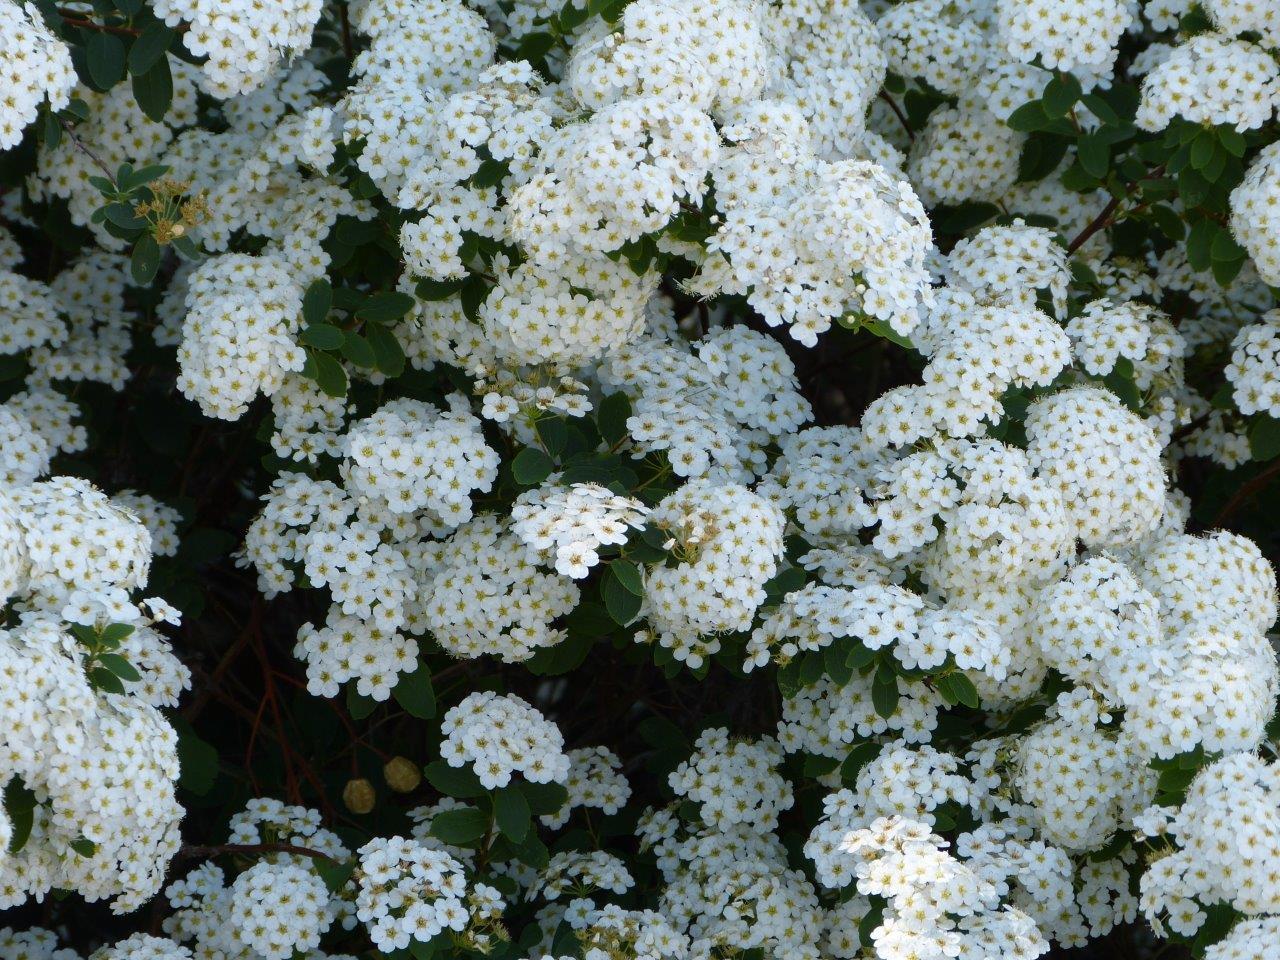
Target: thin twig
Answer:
[[897, 112], [1245, 492], [204, 853], [79, 145]]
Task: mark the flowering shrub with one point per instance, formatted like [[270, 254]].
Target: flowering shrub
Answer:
[[639, 479]]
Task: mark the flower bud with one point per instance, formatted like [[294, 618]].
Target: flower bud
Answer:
[[359, 795], [403, 775]]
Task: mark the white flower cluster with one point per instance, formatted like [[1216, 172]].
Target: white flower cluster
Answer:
[[1253, 213], [1254, 370], [242, 41], [35, 68], [1211, 79], [498, 736], [413, 457], [278, 909], [407, 892], [1225, 845], [571, 524], [727, 541], [594, 780], [238, 335], [734, 781]]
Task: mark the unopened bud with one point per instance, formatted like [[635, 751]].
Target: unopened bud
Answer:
[[359, 795], [403, 775]]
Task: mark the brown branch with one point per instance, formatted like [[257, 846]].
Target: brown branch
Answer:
[[72, 19], [1245, 492], [204, 853], [79, 145], [897, 112], [1104, 218]]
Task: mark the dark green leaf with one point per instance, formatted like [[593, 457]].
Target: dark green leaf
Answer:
[[388, 355], [153, 90], [884, 691], [460, 827], [958, 688], [104, 55], [1264, 437], [1094, 154], [437, 289], [198, 760], [415, 694], [628, 575], [622, 604], [324, 336], [103, 679], [121, 667], [612, 417], [1232, 141], [84, 846], [20, 805], [1060, 95], [151, 45], [335, 875], [386, 306], [531, 466], [316, 303], [512, 813], [358, 705], [357, 349], [327, 372], [544, 798], [1028, 117], [113, 633], [858, 758], [458, 782], [145, 260]]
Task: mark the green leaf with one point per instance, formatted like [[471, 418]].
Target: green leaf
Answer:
[[357, 349], [612, 417], [113, 633], [335, 875], [84, 846], [325, 370], [317, 302], [415, 694], [1264, 438], [884, 691], [460, 827], [386, 306], [1122, 383], [544, 798], [1060, 95], [1028, 117], [1100, 109], [628, 575], [856, 759], [1202, 149], [358, 705], [103, 679], [121, 667], [1040, 156], [151, 45], [622, 604], [145, 260], [1224, 247], [1199, 241], [20, 805], [958, 688], [1232, 141], [512, 813], [104, 56], [535, 46], [153, 90], [531, 466], [130, 8], [388, 355], [198, 760], [458, 782], [324, 336], [1094, 154], [437, 289]]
